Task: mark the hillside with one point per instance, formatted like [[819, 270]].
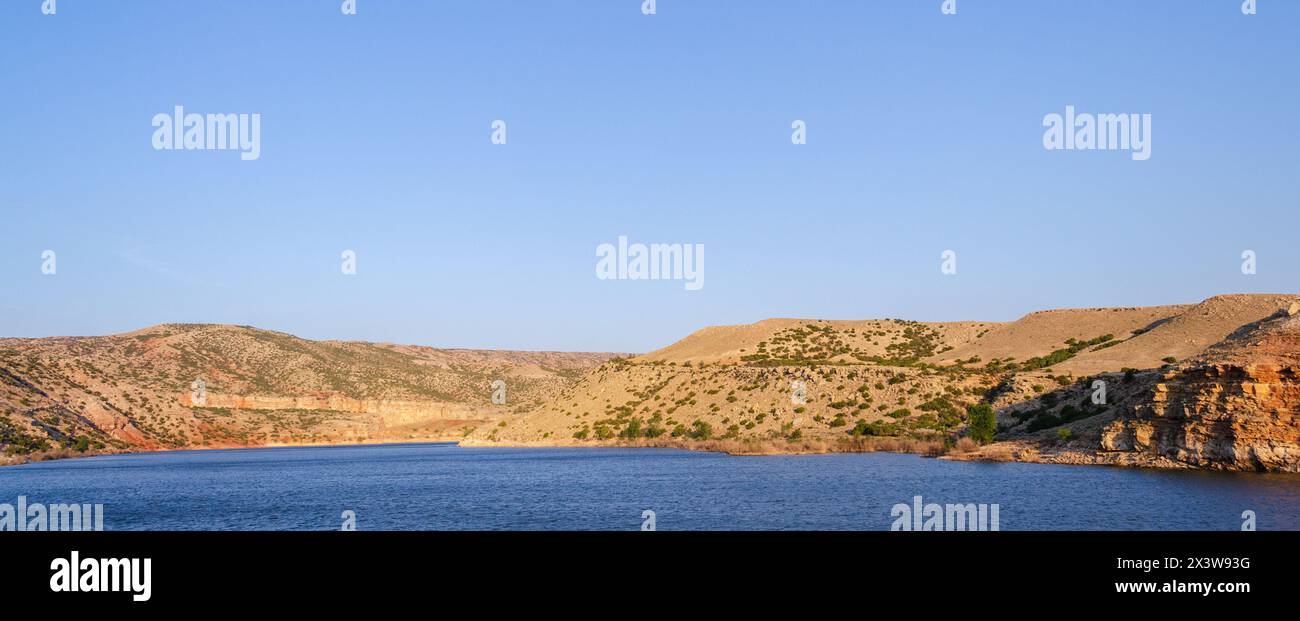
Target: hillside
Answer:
[[1235, 406], [1210, 385], [135, 391], [774, 340], [1040, 333], [1232, 406], [791, 385], [1183, 335]]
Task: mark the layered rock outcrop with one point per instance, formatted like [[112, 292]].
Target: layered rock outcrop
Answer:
[[1218, 416], [1235, 407], [390, 411]]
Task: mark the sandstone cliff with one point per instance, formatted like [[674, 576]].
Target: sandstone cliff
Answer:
[[1234, 407]]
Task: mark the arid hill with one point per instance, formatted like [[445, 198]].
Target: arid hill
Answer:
[[847, 341], [1184, 335], [1044, 331], [138, 391], [791, 385], [1206, 385], [1232, 406]]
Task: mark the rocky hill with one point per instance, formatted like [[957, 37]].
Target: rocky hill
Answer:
[[1206, 385], [1200, 385], [1232, 405], [139, 391], [1235, 406]]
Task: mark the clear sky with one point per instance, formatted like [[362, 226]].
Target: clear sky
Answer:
[[924, 134]]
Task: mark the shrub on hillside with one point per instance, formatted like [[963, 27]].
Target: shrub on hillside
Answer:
[[982, 421]]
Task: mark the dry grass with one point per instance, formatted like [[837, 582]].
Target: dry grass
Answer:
[[50, 455], [999, 452], [965, 445]]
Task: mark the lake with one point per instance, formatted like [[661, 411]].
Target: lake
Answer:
[[446, 487]]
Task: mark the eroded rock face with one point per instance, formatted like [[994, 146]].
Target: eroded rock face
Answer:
[[390, 411], [1220, 416]]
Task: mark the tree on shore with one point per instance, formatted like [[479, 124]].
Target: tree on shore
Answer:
[[982, 422]]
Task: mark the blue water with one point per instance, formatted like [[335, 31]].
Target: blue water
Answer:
[[445, 487]]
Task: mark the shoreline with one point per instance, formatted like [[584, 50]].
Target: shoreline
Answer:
[[64, 454], [742, 448], [994, 453], [1002, 452]]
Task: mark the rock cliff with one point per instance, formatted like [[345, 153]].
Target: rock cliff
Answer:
[[1235, 407]]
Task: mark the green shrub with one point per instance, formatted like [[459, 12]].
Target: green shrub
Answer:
[[877, 428], [983, 422], [701, 430], [1043, 421], [633, 429]]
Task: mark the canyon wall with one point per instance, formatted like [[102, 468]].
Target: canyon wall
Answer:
[[392, 412]]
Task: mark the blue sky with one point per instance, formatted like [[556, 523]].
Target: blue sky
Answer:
[[924, 134]]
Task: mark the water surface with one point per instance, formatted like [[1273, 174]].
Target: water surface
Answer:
[[446, 487]]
